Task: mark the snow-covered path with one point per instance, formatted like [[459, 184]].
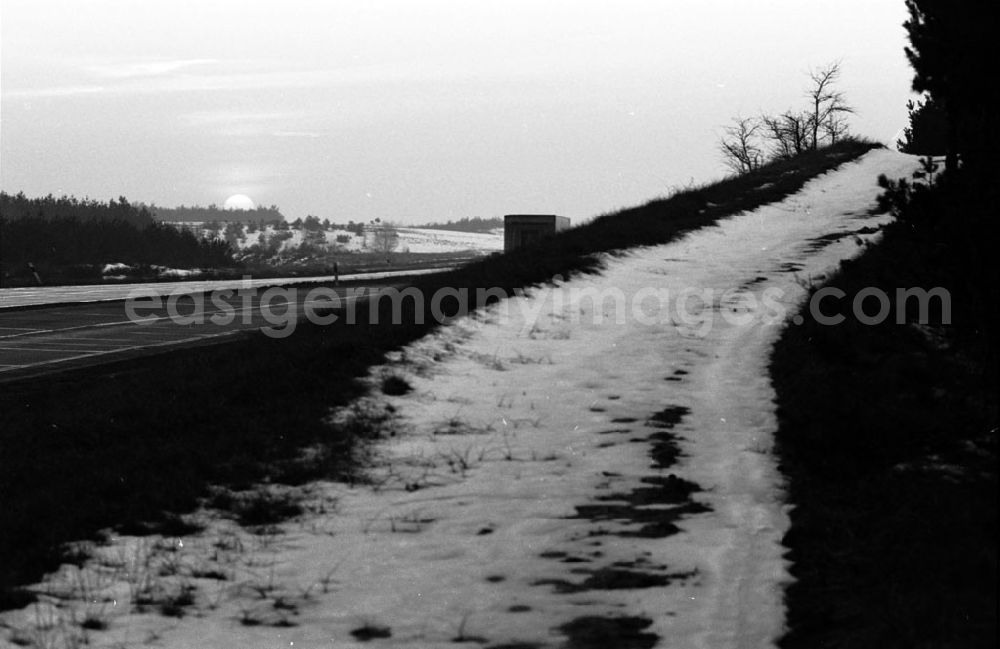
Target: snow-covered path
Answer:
[[532, 492]]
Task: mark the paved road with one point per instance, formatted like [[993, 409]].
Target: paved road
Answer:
[[35, 295], [50, 338]]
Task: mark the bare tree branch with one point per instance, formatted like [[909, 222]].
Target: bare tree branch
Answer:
[[835, 127], [748, 141], [739, 147], [826, 104], [787, 133]]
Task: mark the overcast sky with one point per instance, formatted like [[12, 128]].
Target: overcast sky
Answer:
[[416, 111]]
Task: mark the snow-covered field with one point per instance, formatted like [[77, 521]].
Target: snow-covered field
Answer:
[[514, 502], [422, 240], [410, 239]]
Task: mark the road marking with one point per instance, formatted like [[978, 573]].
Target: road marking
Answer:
[[95, 340], [39, 349], [72, 343], [235, 312], [158, 327], [112, 351]]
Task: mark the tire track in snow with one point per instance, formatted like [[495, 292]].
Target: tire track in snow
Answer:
[[729, 433]]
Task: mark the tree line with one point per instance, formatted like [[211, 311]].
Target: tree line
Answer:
[[67, 231], [18, 206], [466, 224], [214, 213]]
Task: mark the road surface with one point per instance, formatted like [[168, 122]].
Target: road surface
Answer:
[[36, 295], [70, 327]]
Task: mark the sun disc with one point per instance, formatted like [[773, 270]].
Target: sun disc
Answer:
[[239, 202]]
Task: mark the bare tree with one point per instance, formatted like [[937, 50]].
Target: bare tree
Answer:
[[774, 131], [835, 127], [383, 237], [739, 145], [788, 133], [749, 141], [827, 105]]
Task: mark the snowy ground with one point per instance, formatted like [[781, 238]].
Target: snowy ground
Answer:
[[410, 239], [525, 496], [424, 240]]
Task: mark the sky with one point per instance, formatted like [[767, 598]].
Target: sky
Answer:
[[417, 111]]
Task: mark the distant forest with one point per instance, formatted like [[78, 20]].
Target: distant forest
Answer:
[[18, 206], [57, 232], [475, 224], [214, 213]]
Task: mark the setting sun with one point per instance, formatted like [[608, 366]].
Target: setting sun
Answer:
[[239, 202]]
